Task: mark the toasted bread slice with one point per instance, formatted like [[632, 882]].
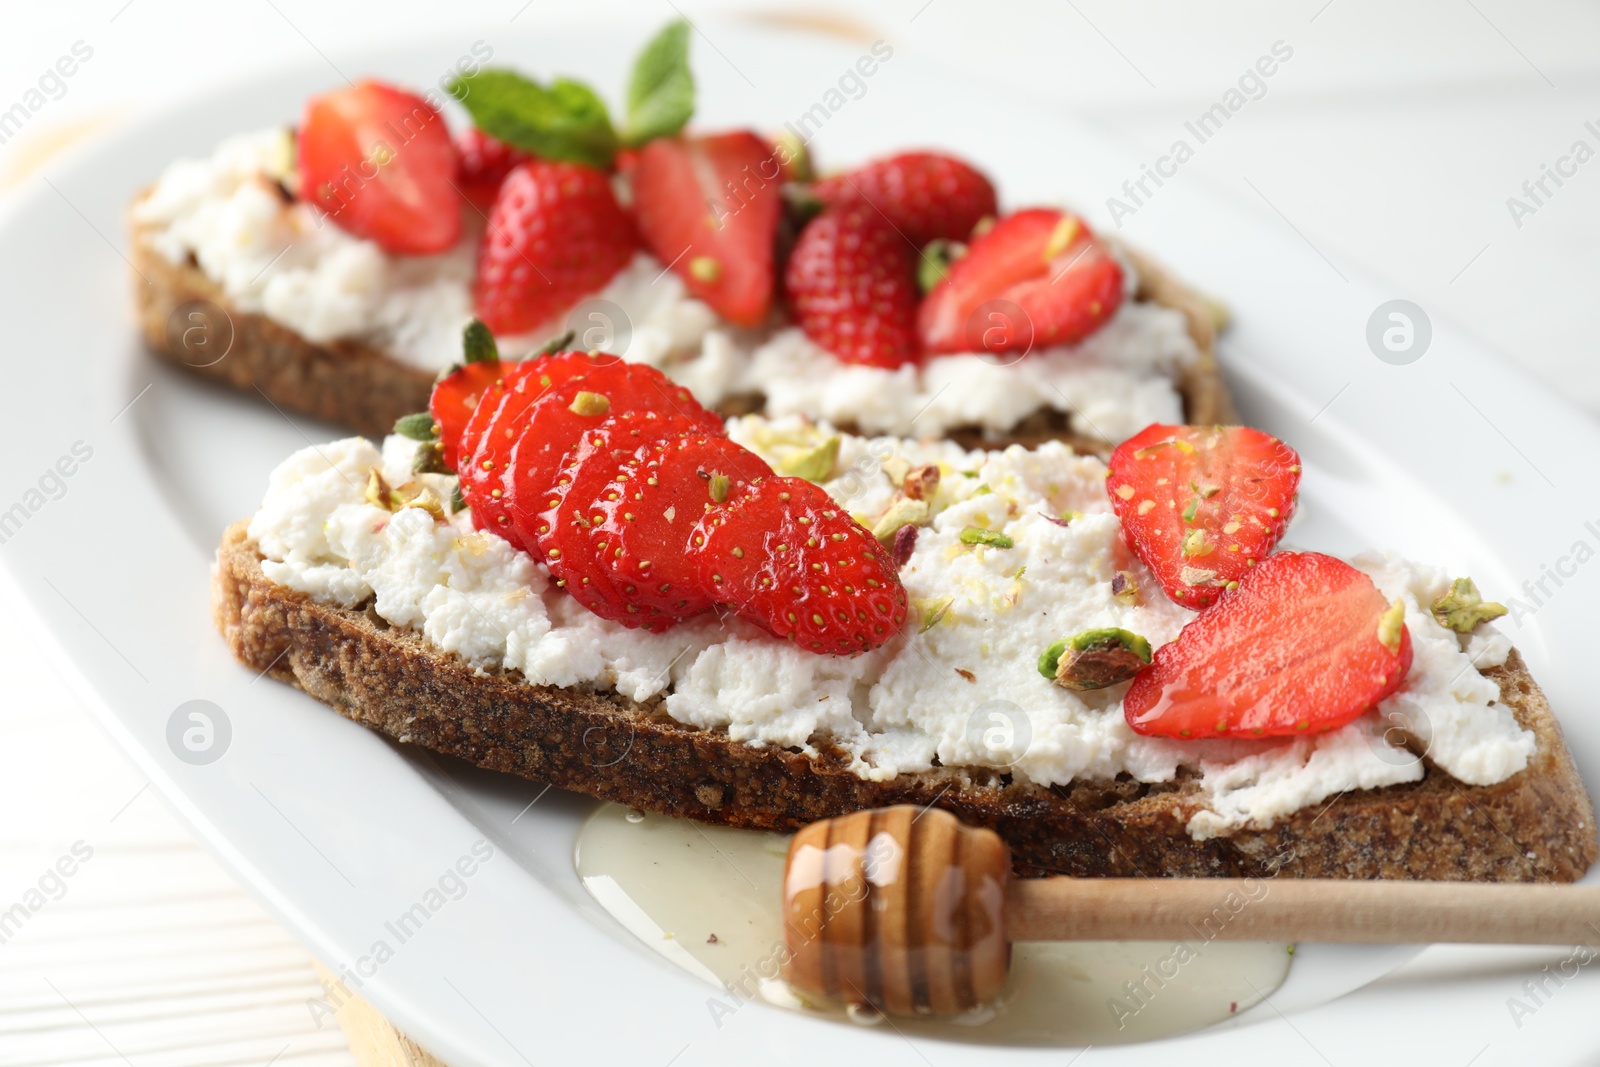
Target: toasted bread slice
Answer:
[[1536, 826], [355, 385]]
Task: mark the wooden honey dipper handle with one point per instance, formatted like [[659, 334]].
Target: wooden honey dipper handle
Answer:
[[1265, 909], [912, 912]]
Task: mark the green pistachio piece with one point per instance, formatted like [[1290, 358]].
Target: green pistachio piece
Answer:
[[1463, 607], [590, 404], [977, 535], [1392, 625], [921, 483], [1095, 659], [903, 512], [936, 259], [933, 611], [813, 464], [1125, 588], [718, 486], [458, 503]]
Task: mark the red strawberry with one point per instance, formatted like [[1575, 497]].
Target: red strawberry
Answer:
[[571, 545], [1047, 281], [709, 207], [1304, 645], [852, 281], [786, 557], [555, 235], [485, 162], [1202, 505], [380, 162], [645, 515], [924, 195], [455, 399]]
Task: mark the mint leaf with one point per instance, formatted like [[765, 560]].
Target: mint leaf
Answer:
[[567, 121], [661, 92]]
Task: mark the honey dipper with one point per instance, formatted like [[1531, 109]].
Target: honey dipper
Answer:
[[912, 912]]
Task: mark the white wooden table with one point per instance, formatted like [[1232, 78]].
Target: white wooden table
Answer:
[[1390, 142]]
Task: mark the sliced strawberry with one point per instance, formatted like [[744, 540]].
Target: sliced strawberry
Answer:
[[1202, 505], [584, 393], [555, 235], [485, 162], [455, 398], [924, 195], [490, 438], [578, 547], [789, 559], [380, 162], [645, 516], [1037, 278], [709, 207], [1305, 644], [852, 282]]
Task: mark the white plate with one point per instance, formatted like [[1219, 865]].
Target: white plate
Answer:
[[1457, 458]]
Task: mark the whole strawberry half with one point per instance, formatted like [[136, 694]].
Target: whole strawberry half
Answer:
[[380, 162], [555, 235], [1305, 644], [852, 284], [485, 162], [709, 207], [786, 557], [1202, 505], [1037, 278], [923, 195]]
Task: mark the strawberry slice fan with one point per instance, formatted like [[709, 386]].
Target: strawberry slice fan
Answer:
[[632, 496]]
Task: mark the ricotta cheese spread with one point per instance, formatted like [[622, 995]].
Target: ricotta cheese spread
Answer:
[[960, 686], [286, 260]]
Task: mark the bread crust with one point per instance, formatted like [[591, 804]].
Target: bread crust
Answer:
[[356, 385], [1536, 826]]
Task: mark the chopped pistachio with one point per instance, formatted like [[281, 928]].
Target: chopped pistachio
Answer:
[[718, 487], [1189, 512], [1095, 659], [1195, 543], [921, 483], [1066, 518], [457, 502], [977, 535], [1061, 238], [1197, 576], [902, 512], [814, 464], [590, 404], [932, 611], [418, 426], [1463, 607], [1392, 625], [897, 468], [905, 543], [705, 269], [936, 259], [477, 344], [983, 490], [409, 495], [1125, 588]]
